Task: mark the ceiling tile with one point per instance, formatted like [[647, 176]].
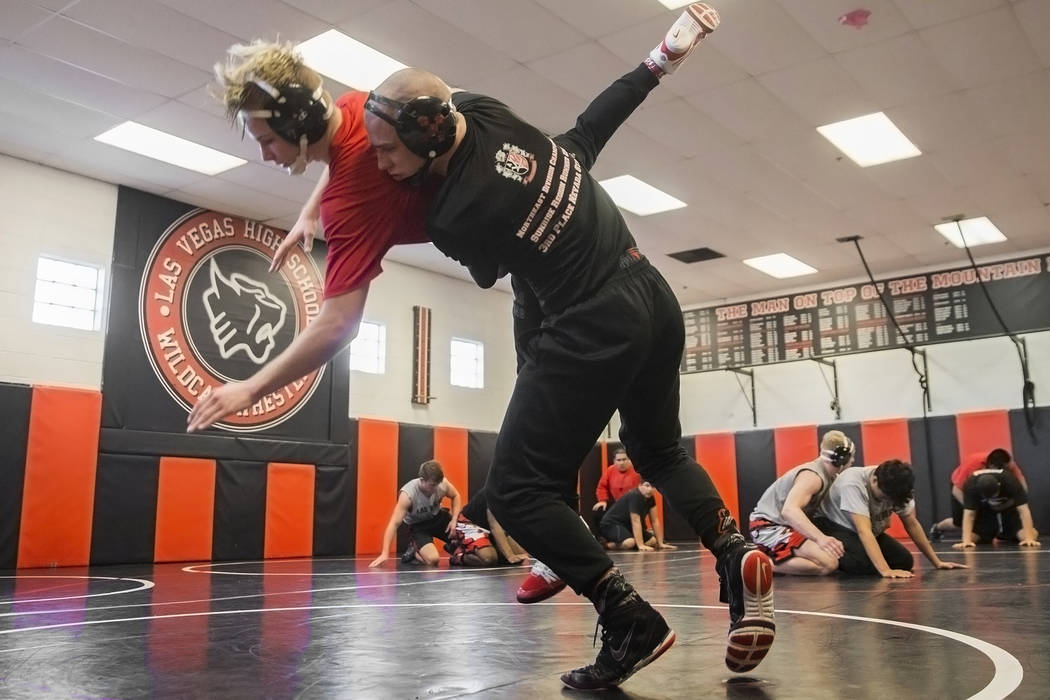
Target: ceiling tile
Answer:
[[597, 18], [593, 69], [16, 16], [335, 12], [416, 37], [821, 20], [897, 70], [1034, 18], [150, 25], [982, 48], [680, 127], [821, 91], [926, 13], [253, 19], [761, 37], [749, 110], [518, 28], [66, 40]]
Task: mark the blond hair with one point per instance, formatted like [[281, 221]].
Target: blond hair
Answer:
[[833, 439], [275, 63]]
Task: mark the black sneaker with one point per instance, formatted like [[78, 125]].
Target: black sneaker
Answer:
[[746, 584], [633, 636], [936, 535], [409, 557]]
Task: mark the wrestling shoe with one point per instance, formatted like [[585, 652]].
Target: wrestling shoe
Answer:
[[936, 535], [698, 20], [409, 557], [746, 583], [633, 636], [540, 584]]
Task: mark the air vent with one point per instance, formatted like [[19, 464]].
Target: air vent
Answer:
[[696, 255]]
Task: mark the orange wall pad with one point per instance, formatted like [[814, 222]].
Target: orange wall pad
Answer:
[[185, 509], [59, 491], [882, 440], [717, 453], [983, 432], [289, 510], [795, 445], [376, 480], [450, 448]]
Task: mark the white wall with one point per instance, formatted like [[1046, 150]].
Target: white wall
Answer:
[[458, 309], [49, 212], [52, 212], [966, 376]]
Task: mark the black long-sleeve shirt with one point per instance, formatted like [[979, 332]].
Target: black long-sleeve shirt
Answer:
[[514, 200]]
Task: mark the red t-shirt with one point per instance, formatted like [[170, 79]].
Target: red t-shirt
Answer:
[[974, 462], [364, 211], [614, 483]]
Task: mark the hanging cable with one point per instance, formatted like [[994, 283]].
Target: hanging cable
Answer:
[[924, 383], [1028, 386]]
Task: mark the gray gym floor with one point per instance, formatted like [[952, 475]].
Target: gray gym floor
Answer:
[[332, 628]]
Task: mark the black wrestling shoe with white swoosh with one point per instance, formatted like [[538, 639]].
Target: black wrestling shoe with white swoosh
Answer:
[[633, 636]]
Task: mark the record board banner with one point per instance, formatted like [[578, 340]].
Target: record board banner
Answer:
[[194, 306], [933, 307]]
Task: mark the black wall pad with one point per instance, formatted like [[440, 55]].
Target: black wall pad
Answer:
[[335, 499], [1034, 460], [944, 451], [221, 447], [480, 448], [756, 469], [852, 431], [125, 518], [415, 445], [240, 510], [15, 402]]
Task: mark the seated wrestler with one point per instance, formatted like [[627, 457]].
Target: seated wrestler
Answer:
[[995, 507], [780, 524], [622, 525], [419, 507]]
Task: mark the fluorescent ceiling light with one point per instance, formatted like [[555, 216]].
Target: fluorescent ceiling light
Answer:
[[347, 60], [161, 145], [674, 4], [780, 265], [638, 197], [976, 231], [870, 140]]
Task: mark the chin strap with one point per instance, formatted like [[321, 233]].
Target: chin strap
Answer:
[[299, 166], [420, 177]]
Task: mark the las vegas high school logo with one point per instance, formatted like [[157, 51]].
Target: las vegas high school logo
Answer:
[[210, 312]]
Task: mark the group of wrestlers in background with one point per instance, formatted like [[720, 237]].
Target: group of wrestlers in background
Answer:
[[817, 518]]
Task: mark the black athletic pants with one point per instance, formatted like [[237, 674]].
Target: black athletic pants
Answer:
[[620, 349], [855, 560]]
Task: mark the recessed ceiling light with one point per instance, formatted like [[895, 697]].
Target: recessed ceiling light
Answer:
[[976, 231], [780, 265], [870, 140], [160, 145], [638, 197], [347, 60]]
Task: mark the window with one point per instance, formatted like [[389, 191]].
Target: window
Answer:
[[68, 294], [468, 364], [368, 351]]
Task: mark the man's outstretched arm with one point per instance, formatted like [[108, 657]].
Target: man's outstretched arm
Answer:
[[336, 324]]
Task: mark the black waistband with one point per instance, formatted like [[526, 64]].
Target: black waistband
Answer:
[[630, 257]]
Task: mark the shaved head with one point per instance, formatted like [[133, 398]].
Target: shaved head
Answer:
[[408, 83]]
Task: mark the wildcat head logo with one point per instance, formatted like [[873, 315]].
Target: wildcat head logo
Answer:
[[210, 312], [256, 339]]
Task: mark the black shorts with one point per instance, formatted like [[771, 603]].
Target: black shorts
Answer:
[[424, 532], [615, 532], [1002, 525]]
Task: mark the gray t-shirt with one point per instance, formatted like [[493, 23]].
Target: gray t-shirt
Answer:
[[771, 505], [851, 493], [424, 507]]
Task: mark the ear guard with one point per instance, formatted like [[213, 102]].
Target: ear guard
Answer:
[[426, 125], [841, 455], [295, 111]]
